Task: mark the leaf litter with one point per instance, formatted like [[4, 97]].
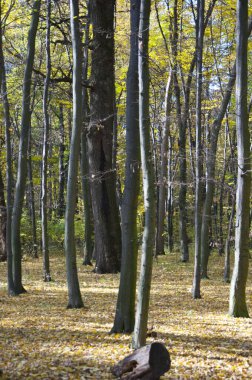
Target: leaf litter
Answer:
[[41, 339]]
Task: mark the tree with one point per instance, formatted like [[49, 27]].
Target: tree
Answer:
[[199, 166], [163, 170], [23, 148], [140, 330], [74, 295], [125, 308], [237, 302], [44, 221], [100, 140]]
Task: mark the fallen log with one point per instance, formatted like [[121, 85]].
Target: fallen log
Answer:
[[147, 363]]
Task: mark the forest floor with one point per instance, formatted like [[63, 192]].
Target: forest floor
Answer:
[[41, 339]]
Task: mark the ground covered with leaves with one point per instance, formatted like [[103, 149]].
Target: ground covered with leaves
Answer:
[[40, 338]]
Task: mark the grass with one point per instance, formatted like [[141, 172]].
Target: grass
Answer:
[[41, 339]]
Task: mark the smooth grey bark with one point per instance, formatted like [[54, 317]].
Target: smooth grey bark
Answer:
[[74, 294], [32, 202], [3, 221], [44, 194], [125, 308], [62, 167], [140, 330], [162, 182], [237, 301], [88, 217], [170, 207], [210, 167], [100, 140], [23, 148], [228, 243], [198, 154], [6, 224]]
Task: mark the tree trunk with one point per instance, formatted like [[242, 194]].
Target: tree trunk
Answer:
[[237, 302], [6, 224], [23, 148], [3, 221], [62, 166], [199, 158], [88, 216], [74, 295], [163, 171], [140, 330], [100, 140], [44, 217], [125, 309], [228, 243], [31, 202]]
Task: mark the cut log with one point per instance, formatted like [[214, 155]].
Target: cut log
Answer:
[[147, 363]]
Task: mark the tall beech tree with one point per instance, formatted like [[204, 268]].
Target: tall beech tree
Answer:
[[23, 148], [163, 170], [140, 330], [6, 224], [125, 309], [74, 295], [88, 216], [237, 302], [199, 157], [44, 218], [100, 139]]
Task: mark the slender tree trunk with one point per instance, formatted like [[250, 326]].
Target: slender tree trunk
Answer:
[[23, 148], [44, 217], [100, 140], [228, 243], [170, 194], [198, 166], [31, 202], [125, 309], [140, 330], [163, 171], [7, 119], [62, 167], [3, 221], [88, 217], [237, 302], [74, 295]]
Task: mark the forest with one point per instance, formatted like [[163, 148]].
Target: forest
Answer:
[[125, 189]]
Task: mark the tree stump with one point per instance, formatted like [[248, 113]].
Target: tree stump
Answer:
[[146, 363]]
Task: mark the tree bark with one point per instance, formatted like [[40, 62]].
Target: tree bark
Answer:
[[74, 295], [125, 308], [62, 166], [198, 166], [237, 301], [100, 140], [163, 171], [44, 205], [23, 148], [140, 330], [3, 221], [88, 216]]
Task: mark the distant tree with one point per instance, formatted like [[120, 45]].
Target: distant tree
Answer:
[[237, 302], [23, 149], [74, 295], [125, 309], [3, 221], [100, 139], [140, 330]]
